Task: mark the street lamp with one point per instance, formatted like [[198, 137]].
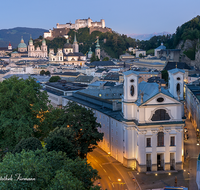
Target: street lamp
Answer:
[[119, 180]]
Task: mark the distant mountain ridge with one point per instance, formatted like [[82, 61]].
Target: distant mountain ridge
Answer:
[[146, 36], [14, 35]]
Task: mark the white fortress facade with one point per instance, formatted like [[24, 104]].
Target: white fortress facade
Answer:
[[82, 23], [79, 23]]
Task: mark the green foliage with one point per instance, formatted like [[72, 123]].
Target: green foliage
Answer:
[[83, 129], [51, 170], [21, 102], [165, 75], [30, 143], [47, 73], [190, 53], [93, 58], [62, 139], [150, 52], [54, 79], [105, 59], [47, 124], [42, 72], [140, 55]]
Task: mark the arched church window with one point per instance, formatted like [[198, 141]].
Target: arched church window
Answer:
[[178, 88], [132, 90], [160, 139], [160, 115]]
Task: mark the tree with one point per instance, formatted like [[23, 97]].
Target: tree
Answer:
[[105, 59], [140, 55], [165, 75], [30, 143], [42, 72], [21, 102], [62, 139], [47, 73], [54, 79], [83, 125], [46, 170], [93, 58]]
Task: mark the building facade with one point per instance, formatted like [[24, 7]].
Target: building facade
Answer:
[[37, 52], [144, 130]]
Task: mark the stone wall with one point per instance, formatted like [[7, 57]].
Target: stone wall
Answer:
[[103, 30]]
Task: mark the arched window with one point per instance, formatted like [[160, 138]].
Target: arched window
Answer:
[[160, 139], [160, 115], [132, 90], [178, 88]]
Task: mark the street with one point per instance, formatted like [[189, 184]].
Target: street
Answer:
[[113, 175], [193, 151]]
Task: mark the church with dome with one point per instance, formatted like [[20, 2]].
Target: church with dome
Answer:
[[30, 51], [68, 55]]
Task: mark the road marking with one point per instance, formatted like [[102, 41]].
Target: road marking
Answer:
[[112, 184], [100, 165], [109, 178], [104, 170], [95, 160]]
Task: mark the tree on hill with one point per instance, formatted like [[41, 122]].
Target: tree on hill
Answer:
[[83, 128], [46, 170], [54, 79], [93, 58], [21, 102]]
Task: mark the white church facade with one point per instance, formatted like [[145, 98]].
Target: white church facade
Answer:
[[147, 133]]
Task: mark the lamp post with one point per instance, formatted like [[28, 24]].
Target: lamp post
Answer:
[[119, 180]]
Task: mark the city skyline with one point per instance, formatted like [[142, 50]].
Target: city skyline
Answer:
[[127, 17]]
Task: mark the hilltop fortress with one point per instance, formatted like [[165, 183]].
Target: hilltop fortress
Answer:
[[62, 30]]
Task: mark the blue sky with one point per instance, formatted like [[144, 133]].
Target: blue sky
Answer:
[[123, 16]]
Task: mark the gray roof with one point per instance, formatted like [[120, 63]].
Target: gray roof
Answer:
[[173, 71], [67, 73], [161, 47], [150, 90], [97, 83], [86, 79], [131, 72], [101, 63]]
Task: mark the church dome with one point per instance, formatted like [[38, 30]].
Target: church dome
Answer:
[[22, 44], [68, 45]]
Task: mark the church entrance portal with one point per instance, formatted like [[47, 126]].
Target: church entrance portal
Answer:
[[160, 162]]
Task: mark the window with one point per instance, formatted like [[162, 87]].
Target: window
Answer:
[[178, 88], [178, 78], [172, 141], [160, 99], [160, 115], [148, 142], [131, 80], [132, 90], [160, 140]]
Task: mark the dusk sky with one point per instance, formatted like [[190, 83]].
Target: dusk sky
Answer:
[[125, 17]]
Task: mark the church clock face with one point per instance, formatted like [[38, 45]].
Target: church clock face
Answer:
[[132, 90]]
